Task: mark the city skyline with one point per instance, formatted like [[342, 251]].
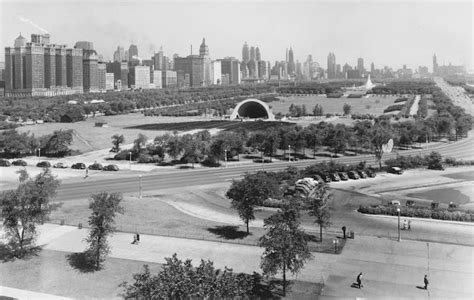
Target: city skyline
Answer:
[[441, 28]]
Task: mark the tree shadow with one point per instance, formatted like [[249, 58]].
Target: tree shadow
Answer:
[[10, 253], [420, 287], [355, 285], [228, 232], [81, 261]]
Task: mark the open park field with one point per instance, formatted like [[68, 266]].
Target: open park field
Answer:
[[373, 104]]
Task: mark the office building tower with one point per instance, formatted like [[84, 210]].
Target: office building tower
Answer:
[[245, 54], [194, 70], [331, 70], [230, 66], [158, 60], [101, 74], [61, 68], [435, 65], [74, 69], [338, 71], [119, 54], [291, 62], [299, 68], [109, 81], [125, 56], [120, 71], [258, 56], [253, 54], [90, 62], [204, 53], [360, 65], [262, 70], [169, 79], [372, 68], [139, 77], [84, 45], [50, 67], [133, 58], [216, 72], [156, 80]]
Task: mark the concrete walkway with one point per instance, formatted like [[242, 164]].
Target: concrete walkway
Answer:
[[390, 268], [24, 294]]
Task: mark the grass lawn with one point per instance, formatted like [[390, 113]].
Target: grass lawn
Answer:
[[50, 272], [371, 105]]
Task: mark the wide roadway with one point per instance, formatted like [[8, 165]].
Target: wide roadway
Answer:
[[129, 183]]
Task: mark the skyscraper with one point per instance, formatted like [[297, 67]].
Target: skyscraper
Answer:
[[90, 72], [119, 54], [291, 62], [133, 52], [245, 53], [158, 59], [258, 56], [74, 69], [372, 68], [231, 67], [331, 66], [253, 54], [435, 64], [360, 65]]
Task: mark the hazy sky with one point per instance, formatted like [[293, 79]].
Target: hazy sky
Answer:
[[389, 33]]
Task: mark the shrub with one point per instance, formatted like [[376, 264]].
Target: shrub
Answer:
[[439, 214], [145, 158]]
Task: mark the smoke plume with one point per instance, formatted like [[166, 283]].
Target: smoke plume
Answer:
[[33, 24], [137, 58]]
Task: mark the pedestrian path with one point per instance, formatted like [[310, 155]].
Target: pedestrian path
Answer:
[[24, 294]]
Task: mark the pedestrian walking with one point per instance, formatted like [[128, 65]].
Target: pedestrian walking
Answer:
[[87, 173], [409, 224], [405, 224], [359, 280], [426, 282], [138, 238], [344, 231], [134, 239]]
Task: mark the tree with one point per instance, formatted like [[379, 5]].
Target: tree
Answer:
[[58, 143], [174, 146], [318, 110], [139, 143], [194, 149], [250, 192], [104, 207], [435, 161], [286, 245], [380, 134], [27, 206], [116, 141], [318, 207], [347, 109]]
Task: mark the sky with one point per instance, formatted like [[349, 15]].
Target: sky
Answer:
[[387, 33]]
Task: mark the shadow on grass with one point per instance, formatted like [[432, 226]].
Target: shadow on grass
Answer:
[[81, 261], [228, 232], [9, 253]]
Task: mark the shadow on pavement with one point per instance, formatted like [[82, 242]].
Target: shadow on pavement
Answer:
[[8, 253], [81, 261], [228, 232]]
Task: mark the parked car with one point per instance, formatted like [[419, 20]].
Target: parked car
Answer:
[[60, 165], [326, 178], [362, 174], [371, 173], [111, 168], [265, 160], [4, 163], [96, 166], [44, 164], [394, 203], [335, 177], [78, 166], [343, 176], [317, 178], [410, 203], [353, 175], [19, 163], [395, 170]]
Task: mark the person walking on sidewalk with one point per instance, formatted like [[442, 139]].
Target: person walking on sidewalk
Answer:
[[426, 282], [359, 280]]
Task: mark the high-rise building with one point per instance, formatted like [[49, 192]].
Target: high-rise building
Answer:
[[245, 54], [61, 68], [169, 79], [156, 79], [230, 66], [101, 76], [50, 67], [435, 64], [216, 72], [120, 71], [253, 54], [194, 70], [139, 77], [85, 45], [74, 69], [133, 55], [331, 70], [262, 69], [204, 53], [90, 61], [291, 62], [360, 65], [258, 56], [158, 60], [119, 54], [372, 68]]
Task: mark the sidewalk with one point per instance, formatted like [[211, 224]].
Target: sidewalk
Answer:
[[24, 294]]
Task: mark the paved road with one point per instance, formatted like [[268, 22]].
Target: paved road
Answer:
[[79, 189]]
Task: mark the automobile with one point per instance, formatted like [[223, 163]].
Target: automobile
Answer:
[[111, 168], [326, 178], [19, 162], [395, 170], [343, 176], [317, 178], [394, 203], [60, 165], [265, 160], [371, 173], [4, 163], [95, 166], [410, 203], [353, 175], [78, 166], [335, 177], [44, 164], [362, 173]]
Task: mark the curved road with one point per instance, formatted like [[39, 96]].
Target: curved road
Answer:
[[184, 178]]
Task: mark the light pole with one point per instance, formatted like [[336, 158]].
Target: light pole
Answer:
[[225, 157], [289, 153], [39, 153], [398, 211], [130, 160], [139, 186]]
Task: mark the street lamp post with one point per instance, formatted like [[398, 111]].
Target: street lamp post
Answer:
[[289, 153], [130, 160], [139, 186], [39, 153], [398, 211]]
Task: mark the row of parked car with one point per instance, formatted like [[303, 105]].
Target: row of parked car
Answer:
[[338, 176], [60, 165]]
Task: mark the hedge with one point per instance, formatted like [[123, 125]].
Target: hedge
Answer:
[[438, 214]]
